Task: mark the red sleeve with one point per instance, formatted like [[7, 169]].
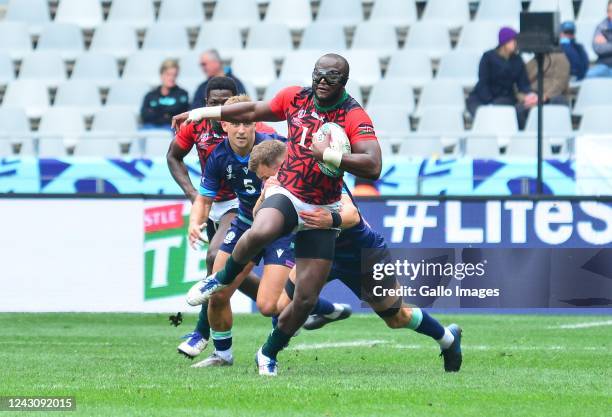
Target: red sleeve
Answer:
[[359, 126], [184, 136], [261, 127], [280, 102]]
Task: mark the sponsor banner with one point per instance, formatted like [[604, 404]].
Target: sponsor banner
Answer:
[[400, 176]]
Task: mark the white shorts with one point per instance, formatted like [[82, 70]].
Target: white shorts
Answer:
[[219, 208], [299, 205]]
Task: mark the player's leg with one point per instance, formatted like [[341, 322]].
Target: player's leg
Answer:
[[314, 251], [270, 289]]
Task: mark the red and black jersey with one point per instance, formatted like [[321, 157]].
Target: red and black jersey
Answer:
[[300, 173], [205, 135]]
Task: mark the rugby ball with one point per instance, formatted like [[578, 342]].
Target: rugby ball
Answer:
[[339, 141]]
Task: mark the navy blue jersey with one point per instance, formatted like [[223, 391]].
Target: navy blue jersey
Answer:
[[225, 166]]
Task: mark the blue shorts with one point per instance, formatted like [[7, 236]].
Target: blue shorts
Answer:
[[279, 252]]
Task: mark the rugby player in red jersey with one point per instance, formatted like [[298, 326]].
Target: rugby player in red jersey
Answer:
[[205, 136], [303, 187]]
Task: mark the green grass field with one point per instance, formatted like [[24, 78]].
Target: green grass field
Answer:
[[127, 365]]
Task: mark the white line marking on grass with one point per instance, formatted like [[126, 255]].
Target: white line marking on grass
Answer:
[[331, 345], [583, 325]]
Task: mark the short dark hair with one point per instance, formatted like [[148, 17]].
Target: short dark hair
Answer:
[[221, 83]]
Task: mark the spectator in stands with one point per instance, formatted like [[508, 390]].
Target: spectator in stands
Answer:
[[556, 78], [212, 66], [163, 102], [574, 51], [501, 70], [602, 45]]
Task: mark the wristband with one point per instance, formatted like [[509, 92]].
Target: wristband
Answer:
[[336, 219], [211, 113], [332, 157]]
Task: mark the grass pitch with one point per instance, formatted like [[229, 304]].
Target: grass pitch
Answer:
[[127, 365]]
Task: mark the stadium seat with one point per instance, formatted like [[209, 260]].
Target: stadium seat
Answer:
[[410, 66], [392, 93], [460, 66], [354, 89], [399, 13], [365, 69], [419, 145], [478, 36], [189, 66], [503, 13], [272, 39], [593, 92], [441, 121], [81, 95], [30, 95], [15, 129], [323, 36], [225, 37], [451, 13], [92, 145], [169, 37], [7, 71], [116, 39], [254, 67], [85, 13], [34, 13], [557, 122], [294, 13], [298, 65], [526, 146], [389, 122], [63, 38], [144, 65], [596, 120], [127, 94], [241, 13], [492, 128], [376, 38], [44, 66], [591, 10], [441, 93], [277, 85], [138, 14], [585, 30], [115, 122], [15, 39], [566, 7], [431, 38], [188, 13], [340, 12], [156, 142], [60, 127], [97, 68]]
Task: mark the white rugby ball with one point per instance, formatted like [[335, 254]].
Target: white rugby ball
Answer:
[[339, 141]]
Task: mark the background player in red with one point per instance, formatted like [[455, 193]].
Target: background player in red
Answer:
[[303, 187], [205, 136]]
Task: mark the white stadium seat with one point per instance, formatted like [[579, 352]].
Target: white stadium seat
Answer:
[[165, 36], [81, 95], [97, 68], [566, 7], [276, 86], [144, 65], [354, 89], [65, 39], [15, 130], [584, 34], [116, 121], [596, 120], [294, 13], [557, 122], [189, 66], [242, 13], [156, 142], [389, 122], [460, 66], [273, 39], [225, 37], [322, 36], [7, 71], [254, 67], [364, 68], [399, 13], [34, 13], [85, 13], [593, 92], [410, 66], [377, 38], [44, 66], [15, 39], [127, 94], [30, 95], [392, 93], [492, 128], [298, 65], [431, 38], [451, 13], [340, 12], [60, 127], [478, 36], [116, 39], [441, 93], [188, 13], [503, 13], [139, 14], [591, 10]]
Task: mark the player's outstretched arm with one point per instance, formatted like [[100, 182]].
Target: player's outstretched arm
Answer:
[[197, 220], [175, 159], [256, 111]]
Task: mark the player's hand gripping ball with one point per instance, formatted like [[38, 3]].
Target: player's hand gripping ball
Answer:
[[338, 141]]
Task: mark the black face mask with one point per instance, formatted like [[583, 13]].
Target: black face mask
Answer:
[[332, 77]]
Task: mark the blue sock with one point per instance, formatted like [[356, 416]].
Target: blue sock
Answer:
[[274, 320], [222, 340], [323, 307], [423, 323]]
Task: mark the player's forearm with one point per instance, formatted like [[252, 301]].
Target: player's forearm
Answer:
[[200, 210], [255, 111], [179, 172], [362, 165]]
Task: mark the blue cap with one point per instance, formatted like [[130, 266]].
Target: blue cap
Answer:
[[568, 27]]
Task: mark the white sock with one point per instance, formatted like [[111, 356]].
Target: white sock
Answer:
[[226, 355], [447, 339], [338, 309]]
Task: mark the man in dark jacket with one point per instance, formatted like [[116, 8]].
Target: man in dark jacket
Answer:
[[575, 52], [602, 45], [163, 102], [211, 64], [501, 74]]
